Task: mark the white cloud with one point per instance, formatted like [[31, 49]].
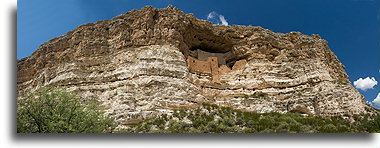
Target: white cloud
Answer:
[[216, 18], [211, 15], [370, 103], [364, 84], [376, 101], [223, 20]]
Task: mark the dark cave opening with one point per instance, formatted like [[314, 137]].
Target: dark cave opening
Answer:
[[208, 48], [204, 44]]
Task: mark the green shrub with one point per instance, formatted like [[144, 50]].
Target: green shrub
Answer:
[[329, 128], [237, 121], [57, 111]]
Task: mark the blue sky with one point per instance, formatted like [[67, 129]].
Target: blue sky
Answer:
[[350, 26]]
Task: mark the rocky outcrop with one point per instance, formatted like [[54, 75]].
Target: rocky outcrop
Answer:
[[137, 64]]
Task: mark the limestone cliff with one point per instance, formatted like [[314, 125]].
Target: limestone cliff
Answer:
[[150, 61]]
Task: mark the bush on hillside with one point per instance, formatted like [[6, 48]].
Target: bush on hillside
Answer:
[[214, 119], [57, 111]]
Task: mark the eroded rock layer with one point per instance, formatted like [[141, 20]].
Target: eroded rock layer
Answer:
[[137, 64]]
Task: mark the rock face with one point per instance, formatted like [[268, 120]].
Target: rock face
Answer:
[[151, 61]]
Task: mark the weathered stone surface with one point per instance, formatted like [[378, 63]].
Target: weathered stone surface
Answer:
[[137, 64]]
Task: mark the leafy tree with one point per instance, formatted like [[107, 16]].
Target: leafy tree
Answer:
[[50, 110]]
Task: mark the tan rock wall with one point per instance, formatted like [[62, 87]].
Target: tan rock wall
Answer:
[[136, 65], [199, 65], [214, 69], [239, 65], [224, 70]]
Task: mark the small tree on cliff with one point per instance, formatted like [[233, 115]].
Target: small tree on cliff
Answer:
[[57, 111]]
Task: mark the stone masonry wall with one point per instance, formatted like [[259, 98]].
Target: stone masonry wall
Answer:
[[211, 67], [200, 66], [203, 55]]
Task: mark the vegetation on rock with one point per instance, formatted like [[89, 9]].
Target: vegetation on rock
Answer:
[[50, 110], [214, 119]]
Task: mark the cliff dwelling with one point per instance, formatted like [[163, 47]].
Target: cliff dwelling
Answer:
[[213, 63]]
